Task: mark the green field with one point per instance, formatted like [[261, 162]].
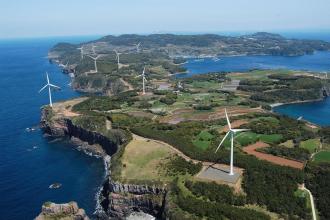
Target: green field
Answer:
[[203, 140], [323, 156], [250, 138], [311, 145]]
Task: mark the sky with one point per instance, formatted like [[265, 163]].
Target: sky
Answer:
[[43, 18]]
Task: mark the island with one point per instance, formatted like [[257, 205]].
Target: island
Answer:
[[159, 136]]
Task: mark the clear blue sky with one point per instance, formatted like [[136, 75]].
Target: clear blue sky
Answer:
[[37, 18]]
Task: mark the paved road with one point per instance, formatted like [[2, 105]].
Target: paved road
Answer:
[[312, 201]]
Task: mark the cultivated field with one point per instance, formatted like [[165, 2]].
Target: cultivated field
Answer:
[[251, 149]]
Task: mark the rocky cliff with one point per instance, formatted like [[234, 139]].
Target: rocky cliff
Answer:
[[67, 211], [117, 200], [63, 127]]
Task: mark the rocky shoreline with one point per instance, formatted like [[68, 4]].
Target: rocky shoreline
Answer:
[[116, 200]]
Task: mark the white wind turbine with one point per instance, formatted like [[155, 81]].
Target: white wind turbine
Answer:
[[144, 80], [117, 56], [95, 61], [81, 52], [93, 48], [138, 47], [49, 85], [231, 132]]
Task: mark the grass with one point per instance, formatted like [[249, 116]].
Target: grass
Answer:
[[268, 119], [323, 156], [260, 74], [250, 138], [143, 159], [311, 145], [288, 144], [203, 140]]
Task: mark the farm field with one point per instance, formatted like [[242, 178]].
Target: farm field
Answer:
[[323, 156], [311, 145]]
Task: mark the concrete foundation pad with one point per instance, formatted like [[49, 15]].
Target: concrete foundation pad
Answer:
[[219, 174]]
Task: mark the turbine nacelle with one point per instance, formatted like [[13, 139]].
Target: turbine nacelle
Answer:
[[49, 85], [231, 132]]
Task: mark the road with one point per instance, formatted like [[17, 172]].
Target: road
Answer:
[[312, 201]]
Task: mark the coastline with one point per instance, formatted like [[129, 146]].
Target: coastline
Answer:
[[274, 105]]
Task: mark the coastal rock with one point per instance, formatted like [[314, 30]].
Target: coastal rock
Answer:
[[64, 127], [120, 200], [117, 200], [66, 211]]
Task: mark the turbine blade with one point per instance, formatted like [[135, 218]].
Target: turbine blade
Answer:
[[239, 130], [57, 87], [43, 88], [47, 77], [224, 138], [228, 122]]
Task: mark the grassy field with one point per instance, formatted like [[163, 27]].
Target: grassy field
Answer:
[[250, 138], [323, 156], [260, 74], [311, 145], [288, 144], [142, 160], [203, 140]]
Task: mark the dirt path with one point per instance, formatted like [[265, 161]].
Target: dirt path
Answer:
[[234, 124], [65, 108], [251, 149], [130, 87]]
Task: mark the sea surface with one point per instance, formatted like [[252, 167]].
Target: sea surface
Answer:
[[318, 62], [29, 162], [315, 112]]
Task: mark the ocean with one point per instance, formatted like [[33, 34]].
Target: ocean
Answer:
[[29, 162]]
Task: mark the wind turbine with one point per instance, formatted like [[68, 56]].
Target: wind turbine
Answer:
[[138, 47], [49, 85], [231, 132], [81, 52], [93, 48], [117, 56], [144, 80], [95, 61]]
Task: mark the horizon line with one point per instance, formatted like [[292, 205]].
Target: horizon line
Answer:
[[226, 33]]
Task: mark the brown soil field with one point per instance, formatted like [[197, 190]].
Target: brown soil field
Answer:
[[251, 149], [192, 115]]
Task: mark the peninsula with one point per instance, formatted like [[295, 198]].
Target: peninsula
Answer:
[[162, 132]]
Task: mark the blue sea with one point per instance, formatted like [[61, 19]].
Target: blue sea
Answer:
[[29, 162]]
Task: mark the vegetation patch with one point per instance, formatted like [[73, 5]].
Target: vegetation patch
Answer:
[[322, 156], [203, 140], [311, 145]]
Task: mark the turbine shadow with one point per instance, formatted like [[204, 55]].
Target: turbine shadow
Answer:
[[216, 168]]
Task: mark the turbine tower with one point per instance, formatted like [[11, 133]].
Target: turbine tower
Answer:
[[95, 61], [81, 52], [144, 80], [231, 132], [49, 85], [117, 56], [138, 47], [93, 49]]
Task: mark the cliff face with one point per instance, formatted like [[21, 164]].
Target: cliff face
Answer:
[[67, 211], [119, 200], [61, 127]]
